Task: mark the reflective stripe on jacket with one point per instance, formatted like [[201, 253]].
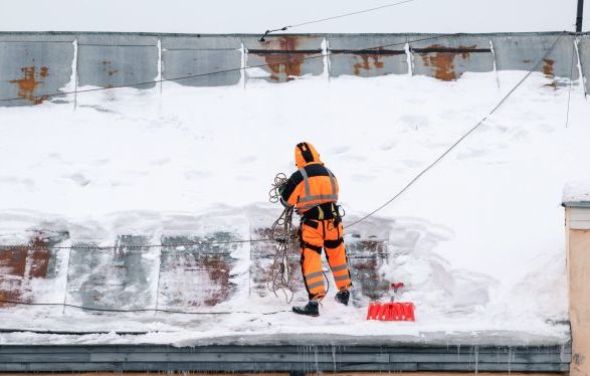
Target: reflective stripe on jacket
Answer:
[[310, 186]]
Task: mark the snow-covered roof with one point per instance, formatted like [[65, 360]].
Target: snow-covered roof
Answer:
[[577, 194]]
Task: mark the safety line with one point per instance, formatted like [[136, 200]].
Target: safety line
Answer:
[[139, 310], [284, 28], [229, 70], [132, 246], [463, 137], [74, 333]]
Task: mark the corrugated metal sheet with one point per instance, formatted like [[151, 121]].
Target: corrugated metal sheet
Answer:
[[33, 67], [584, 49], [189, 60], [522, 51], [284, 58], [115, 60], [448, 58], [367, 56]]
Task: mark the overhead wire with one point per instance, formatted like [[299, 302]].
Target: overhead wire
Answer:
[[314, 21]]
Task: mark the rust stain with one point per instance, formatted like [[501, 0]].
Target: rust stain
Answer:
[[107, 68], [365, 63], [548, 67], [12, 270], [29, 83], [286, 43], [549, 72], [443, 61], [219, 272], [18, 265], [284, 66], [44, 72], [39, 258]]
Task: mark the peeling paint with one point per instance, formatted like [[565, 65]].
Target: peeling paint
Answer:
[[368, 62], [442, 59], [548, 67], [283, 58]]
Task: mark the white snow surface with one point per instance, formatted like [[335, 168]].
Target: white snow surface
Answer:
[[487, 261], [577, 191]]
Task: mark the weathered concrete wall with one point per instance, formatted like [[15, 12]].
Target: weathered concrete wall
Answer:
[[37, 66]]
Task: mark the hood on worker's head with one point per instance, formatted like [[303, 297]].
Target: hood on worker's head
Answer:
[[305, 154]]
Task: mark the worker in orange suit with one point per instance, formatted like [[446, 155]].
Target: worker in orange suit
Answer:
[[313, 191]]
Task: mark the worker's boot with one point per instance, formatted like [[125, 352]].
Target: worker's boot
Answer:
[[343, 296], [310, 309]]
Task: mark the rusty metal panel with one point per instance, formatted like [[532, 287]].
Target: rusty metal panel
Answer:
[[522, 51], [284, 58], [366, 257], [584, 50], [117, 60], [262, 259], [33, 67], [119, 278], [22, 266], [192, 60], [367, 55], [195, 273], [447, 58]]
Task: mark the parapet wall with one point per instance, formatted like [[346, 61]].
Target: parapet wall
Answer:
[[36, 66]]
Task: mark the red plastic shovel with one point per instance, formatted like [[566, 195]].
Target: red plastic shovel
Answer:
[[392, 311]]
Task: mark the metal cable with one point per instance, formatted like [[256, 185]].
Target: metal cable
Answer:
[[281, 233], [463, 137], [138, 310], [135, 246], [284, 28]]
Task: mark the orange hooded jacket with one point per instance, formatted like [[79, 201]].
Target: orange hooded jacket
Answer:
[[312, 184]]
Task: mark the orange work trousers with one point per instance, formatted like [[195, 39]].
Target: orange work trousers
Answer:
[[315, 235]]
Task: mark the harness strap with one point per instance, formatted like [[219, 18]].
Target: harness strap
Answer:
[[333, 243]]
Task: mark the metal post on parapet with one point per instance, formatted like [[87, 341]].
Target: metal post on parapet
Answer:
[[577, 222], [580, 16]]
